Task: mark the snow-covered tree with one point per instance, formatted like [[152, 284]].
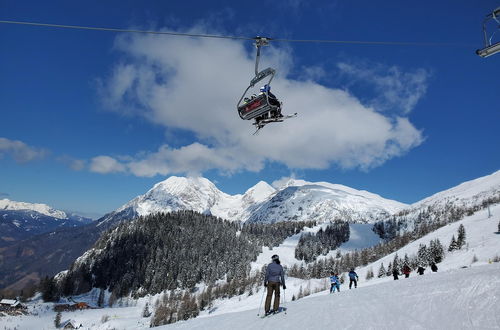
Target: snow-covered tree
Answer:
[[453, 244], [423, 255], [389, 269], [461, 236], [396, 263], [436, 251], [369, 274], [381, 270]]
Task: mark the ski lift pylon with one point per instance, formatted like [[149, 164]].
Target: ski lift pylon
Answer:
[[489, 48]]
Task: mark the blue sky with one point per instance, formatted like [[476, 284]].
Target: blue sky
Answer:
[[92, 119]]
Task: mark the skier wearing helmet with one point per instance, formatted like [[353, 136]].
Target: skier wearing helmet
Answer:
[[273, 100], [275, 276]]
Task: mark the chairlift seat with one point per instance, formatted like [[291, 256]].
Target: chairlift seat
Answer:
[[256, 107]]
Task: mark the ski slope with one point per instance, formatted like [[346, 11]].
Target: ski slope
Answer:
[[456, 299], [452, 298]]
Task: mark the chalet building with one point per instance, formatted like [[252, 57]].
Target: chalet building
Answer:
[[10, 304], [70, 324]]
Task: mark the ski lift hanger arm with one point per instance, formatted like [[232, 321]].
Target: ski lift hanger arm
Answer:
[[263, 40]]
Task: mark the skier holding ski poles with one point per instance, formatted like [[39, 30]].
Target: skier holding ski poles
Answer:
[[275, 276]]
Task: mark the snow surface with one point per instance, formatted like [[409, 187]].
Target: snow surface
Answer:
[[6, 204], [456, 299]]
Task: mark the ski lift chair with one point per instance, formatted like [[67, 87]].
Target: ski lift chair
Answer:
[[489, 48]]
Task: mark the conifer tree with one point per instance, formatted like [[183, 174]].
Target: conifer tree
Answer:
[[100, 299], [461, 236], [57, 320], [389, 269], [396, 263], [422, 255], [453, 244], [381, 271], [369, 274]]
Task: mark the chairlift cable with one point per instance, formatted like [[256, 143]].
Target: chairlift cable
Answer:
[[196, 35]]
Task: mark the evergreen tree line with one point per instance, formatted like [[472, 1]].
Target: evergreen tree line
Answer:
[[168, 251], [426, 256], [344, 262], [174, 305], [429, 218], [272, 235], [312, 245]]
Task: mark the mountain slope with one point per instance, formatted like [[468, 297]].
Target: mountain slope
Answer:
[[296, 201], [441, 301], [322, 201], [19, 220]]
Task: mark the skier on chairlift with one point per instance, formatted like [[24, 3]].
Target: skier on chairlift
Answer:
[[273, 101]]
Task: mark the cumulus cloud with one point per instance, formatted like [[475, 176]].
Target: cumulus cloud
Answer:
[[20, 151], [194, 85], [105, 165], [396, 89]]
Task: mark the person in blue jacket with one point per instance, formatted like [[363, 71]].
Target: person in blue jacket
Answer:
[[335, 283], [353, 278], [275, 276]]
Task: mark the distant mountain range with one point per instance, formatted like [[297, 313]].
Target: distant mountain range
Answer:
[[296, 200], [20, 220]]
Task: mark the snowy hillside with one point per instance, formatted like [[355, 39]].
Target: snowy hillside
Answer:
[[468, 193], [322, 201], [482, 241], [6, 204], [440, 301], [297, 201]]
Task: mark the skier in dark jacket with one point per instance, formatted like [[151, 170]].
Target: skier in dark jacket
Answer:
[[275, 276], [353, 278], [395, 273], [406, 271], [434, 267], [420, 270]]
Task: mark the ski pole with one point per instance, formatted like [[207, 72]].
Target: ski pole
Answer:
[[261, 299], [284, 300]]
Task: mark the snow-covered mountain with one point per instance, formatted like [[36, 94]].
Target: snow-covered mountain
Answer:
[[322, 201], [20, 220], [451, 204], [296, 200], [6, 204], [469, 194]]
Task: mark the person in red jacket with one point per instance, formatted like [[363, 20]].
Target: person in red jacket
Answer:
[[406, 271]]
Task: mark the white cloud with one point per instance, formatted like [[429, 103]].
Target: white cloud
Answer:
[[194, 85], [397, 90], [20, 151], [105, 165]]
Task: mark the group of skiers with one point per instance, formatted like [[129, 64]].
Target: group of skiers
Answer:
[[275, 277], [335, 280], [407, 270]]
